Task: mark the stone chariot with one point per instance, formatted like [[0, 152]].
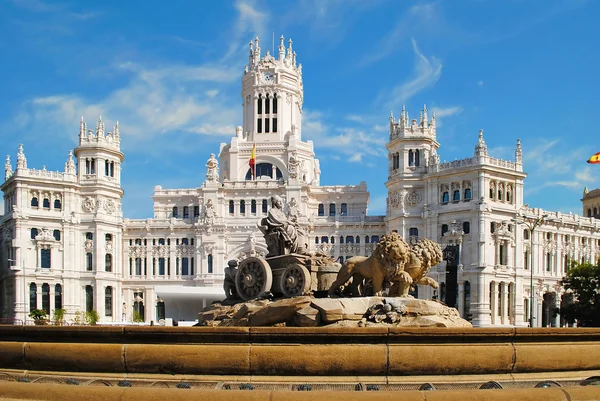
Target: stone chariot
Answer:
[[287, 270]]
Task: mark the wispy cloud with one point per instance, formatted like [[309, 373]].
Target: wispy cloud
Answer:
[[418, 17], [154, 102], [426, 72], [250, 22]]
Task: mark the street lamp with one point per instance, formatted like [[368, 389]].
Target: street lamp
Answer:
[[14, 268], [531, 223]]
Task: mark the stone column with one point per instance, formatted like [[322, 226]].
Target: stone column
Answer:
[[172, 258], [461, 298], [505, 312], [494, 303]]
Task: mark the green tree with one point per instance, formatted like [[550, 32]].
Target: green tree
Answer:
[[92, 317], [39, 317], [583, 281], [59, 317]]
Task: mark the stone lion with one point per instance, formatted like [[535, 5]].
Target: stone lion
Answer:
[[386, 264], [423, 255]]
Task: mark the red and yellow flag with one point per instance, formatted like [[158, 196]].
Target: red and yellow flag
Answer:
[[252, 161], [595, 159]]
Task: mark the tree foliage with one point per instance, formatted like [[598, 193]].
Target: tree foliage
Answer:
[[583, 281]]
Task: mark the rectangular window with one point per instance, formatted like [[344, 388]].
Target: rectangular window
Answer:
[[161, 266], [185, 269], [259, 125], [186, 212], [260, 100], [196, 211], [267, 120], [268, 105], [89, 261], [108, 309], [274, 106], [275, 125], [45, 258], [332, 209], [253, 206], [264, 206], [138, 266]]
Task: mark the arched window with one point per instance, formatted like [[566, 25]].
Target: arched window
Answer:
[[509, 196], [56, 234], [108, 237], [332, 209], [466, 227], [89, 261], [374, 239], [108, 262], [350, 239], [34, 202], [196, 211], [253, 206], [492, 192], [108, 301], [332, 239], [57, 204], [160, 309], [186, 212], [324, 240], [45, 258], [413, 232], [89, 236], [321, 209], [210, 263], [456, 196], [595, 212], [492, 227], [89, 298], [444, 229], [500, 194], [316, 240], [411, 158], [468, 194], [231, 207], [46, 203], [175, 212], [445, 197], [242, 207], [46, 298], [58, 296], [417, 160], [344, 209], [34, 233], [341, 239], [265, 170], [526, 235], [32, 297]]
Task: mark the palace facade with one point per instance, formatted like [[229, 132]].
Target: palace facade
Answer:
[[66, 244]]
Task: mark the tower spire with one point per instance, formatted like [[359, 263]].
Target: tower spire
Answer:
[[425, 122], [281, 48], [8, 171], [21, 159], [100, 127], [82, 128]]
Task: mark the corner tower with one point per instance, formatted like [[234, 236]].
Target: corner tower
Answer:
[[411, 148], [272, 93]]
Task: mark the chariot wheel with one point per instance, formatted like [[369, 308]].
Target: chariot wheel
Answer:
[[295, 281], [253, 278]]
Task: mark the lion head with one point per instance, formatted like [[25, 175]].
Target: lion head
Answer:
[[392, 251]]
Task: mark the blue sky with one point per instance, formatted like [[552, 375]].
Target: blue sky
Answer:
[[170, 73]]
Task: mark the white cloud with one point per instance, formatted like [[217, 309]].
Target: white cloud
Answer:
[[356, 158], [250, 22], [418, 18], [441, 112], [427, 72], [155, 102]]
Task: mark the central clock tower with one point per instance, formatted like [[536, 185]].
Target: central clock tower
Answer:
[[272, 95]]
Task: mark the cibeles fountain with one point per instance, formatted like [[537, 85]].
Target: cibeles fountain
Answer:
[[293, 287]]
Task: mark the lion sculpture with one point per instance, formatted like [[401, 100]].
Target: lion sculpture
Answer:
[[393, 263], [423, 255]]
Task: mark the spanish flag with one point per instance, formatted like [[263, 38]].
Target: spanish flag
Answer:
[[595, 159], [252, 161]]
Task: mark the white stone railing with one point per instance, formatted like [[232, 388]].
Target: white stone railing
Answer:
[[46, 174], [501, 163], [457, 163]]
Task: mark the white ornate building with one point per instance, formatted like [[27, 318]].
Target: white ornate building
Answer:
[[65, 243]]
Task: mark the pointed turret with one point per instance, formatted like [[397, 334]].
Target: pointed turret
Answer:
[[585, 191], [290, 51], [21, 159], [403, 117], [8, 171], [392, 121], [433, 119], [100, 128], [519, 153], [256, 51], [116, 132], [281, 48], [425, 122], [70, 164], [481, 148], [82, 129], [251, 56]]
